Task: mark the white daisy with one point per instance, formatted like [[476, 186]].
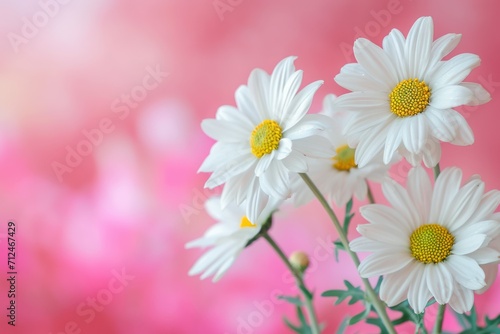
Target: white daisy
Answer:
[[228, 237], [430, 242], [338, 177], [403, 94], [267, 136]]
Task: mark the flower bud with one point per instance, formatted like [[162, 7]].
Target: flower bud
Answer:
[[299, 261]]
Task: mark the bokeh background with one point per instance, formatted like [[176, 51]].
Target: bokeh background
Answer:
[[100, 236]]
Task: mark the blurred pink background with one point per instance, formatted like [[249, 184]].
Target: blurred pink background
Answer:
[[100, 236]]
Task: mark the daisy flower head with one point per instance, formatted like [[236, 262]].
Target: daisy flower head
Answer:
[[432, 242], [403, 94], [262, 139], [227, 238], [338, 177]]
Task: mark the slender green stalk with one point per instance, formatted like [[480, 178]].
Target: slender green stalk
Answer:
[[374, 299], [371, 199], [437, 171], [438, 325], [313, 321]]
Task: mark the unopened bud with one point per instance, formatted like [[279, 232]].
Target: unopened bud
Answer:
[[299, 260]]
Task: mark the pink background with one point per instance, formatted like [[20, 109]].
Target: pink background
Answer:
[[120, 207]]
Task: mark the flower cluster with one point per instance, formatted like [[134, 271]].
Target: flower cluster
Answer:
[[433, 242]]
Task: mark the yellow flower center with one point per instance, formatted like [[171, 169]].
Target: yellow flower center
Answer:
[[246, 223], [409, 98], [265, 138], [344, 160], [431, 243]]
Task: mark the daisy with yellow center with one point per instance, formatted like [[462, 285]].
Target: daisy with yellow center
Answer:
[[227, 238], [344, 159], [409, 98], [268, 135], [431, 242], [265, 138], [403, 94], [339, 178]]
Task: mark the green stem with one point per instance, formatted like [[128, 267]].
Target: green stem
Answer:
[[313, 321], [438, 325], [371, 199], [375, 300], [437, 171]]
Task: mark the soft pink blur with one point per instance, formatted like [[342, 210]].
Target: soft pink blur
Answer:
[[120, 209]]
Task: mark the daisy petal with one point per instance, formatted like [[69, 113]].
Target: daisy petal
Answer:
[[246, 108], [258, 84], [450, 96], [415, 133], [453, 71], [401, 201], [223, 130], [442, 46], [310, 125], [488, 204], [481, 95], [278, 97], [462, 299], [418, 46], [394, 290], [295, 162], [469, 245], [463, 205], [284, 148], [275, 181], [445, 189], [384, 215], [263, 163], [394, 45], [256, 200], [355, 78], [484, 256], [464, 135], [234, 167], [376, 62], [441, 124], [418, 293], [491, 271], [371, 145], [439, 282], [299, 106], [224, 267], [383, 264], [393, 140], [466, 271], [363, 244]]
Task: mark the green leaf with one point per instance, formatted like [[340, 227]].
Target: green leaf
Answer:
[[354, 293], [338, 246], [343, 325], [358, 317], [292, 300], [348, 216], [345, 227], [492, 326], [292, 326], [304, 326], [407, 314]]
